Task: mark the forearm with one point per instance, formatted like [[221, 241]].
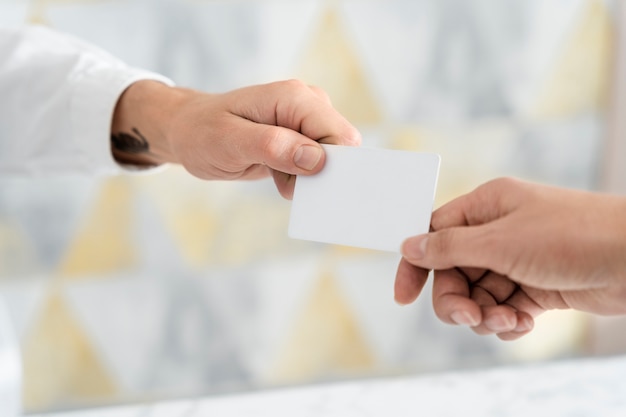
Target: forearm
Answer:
[[58, 96], [139, 129]]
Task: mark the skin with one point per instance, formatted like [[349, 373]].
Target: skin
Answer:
[[254, 132], [511, 250]]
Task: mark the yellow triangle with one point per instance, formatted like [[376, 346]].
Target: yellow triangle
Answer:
[[250, 230], [187, 211], [331, 64], [326, 339], [406, 138], [193, 227], [60, 366], [104, 242], [581, 77], [350, 251], [37, 13]]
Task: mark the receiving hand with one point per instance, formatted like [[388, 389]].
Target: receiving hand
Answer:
[[511, 250]]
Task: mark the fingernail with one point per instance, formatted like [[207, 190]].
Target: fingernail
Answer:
[[307, 157], [499, 324], [524, 325], [463, 318], [415, 247]]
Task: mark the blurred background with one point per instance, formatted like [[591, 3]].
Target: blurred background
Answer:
[[160, 286]]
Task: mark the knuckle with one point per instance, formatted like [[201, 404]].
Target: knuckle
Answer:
[[501, 184], [294, 85], [321, 93], [506, 182], [272, 146], [442, 241]]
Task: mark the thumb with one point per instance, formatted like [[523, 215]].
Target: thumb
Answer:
[[279, 148], [467, 246]]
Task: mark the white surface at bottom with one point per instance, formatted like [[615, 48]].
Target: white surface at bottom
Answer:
[[592, 387]]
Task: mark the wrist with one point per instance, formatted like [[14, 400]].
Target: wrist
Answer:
[[140, 121]]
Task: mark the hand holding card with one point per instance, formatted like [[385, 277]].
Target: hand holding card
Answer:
[[364, 197]]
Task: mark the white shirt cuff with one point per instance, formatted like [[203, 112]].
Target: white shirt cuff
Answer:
[[96, 92]]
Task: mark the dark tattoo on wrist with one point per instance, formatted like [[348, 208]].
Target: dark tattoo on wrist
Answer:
[[129, 149], [132, 144]]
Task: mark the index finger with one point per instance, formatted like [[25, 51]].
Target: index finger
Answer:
[[486, 203], [299, 107]]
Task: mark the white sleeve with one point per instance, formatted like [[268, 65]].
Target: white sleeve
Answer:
[[57, 97]]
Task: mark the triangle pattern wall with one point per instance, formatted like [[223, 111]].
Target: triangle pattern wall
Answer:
[[104, 242], [579, 80], [68, 367], [165, 245], [325, 337], [329, 61]]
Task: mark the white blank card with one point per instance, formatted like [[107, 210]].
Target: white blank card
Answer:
[[367, 198]]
